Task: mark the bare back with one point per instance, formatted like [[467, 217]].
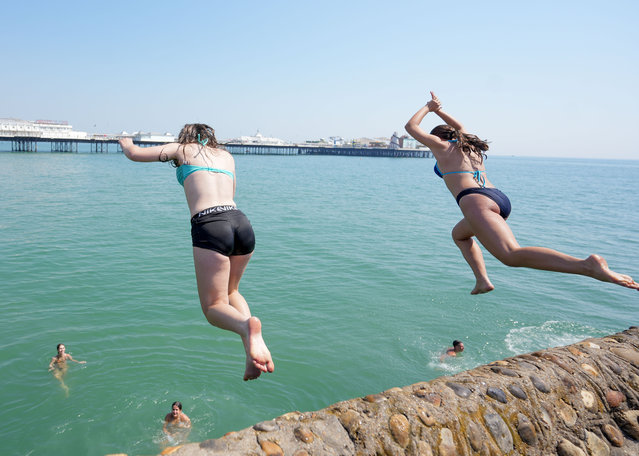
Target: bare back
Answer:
[[451, 158], [204, 189]]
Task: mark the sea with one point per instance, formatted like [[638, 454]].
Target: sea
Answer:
[[355, 278]]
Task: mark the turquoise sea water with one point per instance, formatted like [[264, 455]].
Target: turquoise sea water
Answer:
[[355, 277]]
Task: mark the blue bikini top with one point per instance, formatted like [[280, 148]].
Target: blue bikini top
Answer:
[[477, 175], [184, 171]]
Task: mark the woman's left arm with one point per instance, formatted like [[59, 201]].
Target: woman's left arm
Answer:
[[161, 153]]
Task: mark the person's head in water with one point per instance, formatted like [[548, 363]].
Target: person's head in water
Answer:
[[470, 144], [60, 349], [458, 346], [198, 133], [176, 408]]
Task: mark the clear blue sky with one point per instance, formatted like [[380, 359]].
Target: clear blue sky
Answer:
[[552, 78]]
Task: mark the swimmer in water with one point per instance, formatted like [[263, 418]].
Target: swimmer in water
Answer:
[[458, 347], [460, 163], [59, 365], [176, 421]]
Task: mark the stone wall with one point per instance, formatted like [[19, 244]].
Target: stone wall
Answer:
[[578, 400]]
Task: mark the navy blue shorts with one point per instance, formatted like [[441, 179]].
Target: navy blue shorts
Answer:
[[224, 229], [496, 195]]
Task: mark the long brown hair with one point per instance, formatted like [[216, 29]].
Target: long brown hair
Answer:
[[197, 133], [468, 143]]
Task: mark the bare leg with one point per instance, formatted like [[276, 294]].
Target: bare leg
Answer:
[[482, 215], [59, 374], [218, 279], [258, 357], [463, 237]]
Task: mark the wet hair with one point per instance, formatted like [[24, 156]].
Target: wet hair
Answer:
[[178, 403], [468, 143], [456, 343], [58, 346], [197, 133]]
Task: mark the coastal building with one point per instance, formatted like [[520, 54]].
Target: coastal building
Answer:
[[52, 129], [258, 139], [394, 141], [152, 137]]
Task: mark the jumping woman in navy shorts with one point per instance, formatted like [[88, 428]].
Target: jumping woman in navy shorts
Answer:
[[460, 162], [223, 239]]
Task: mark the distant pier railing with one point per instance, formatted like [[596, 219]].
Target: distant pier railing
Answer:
[[108, 144], [262, 149]]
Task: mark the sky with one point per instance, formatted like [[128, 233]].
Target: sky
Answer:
[[545, 78]]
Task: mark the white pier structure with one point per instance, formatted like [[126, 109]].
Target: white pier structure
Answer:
[[25, 135]]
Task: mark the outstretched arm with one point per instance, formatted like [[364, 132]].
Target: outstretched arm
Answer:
[[69, 357], [164, 152]]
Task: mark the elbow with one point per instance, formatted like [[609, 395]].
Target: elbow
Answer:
[[409, 128]]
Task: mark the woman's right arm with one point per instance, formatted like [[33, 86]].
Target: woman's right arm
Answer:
[[161, 153]]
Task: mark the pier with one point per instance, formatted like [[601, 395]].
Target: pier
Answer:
[[109, 144]]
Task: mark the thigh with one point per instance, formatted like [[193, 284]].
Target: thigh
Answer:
[[212, 270], [482, 215], [238, 266]]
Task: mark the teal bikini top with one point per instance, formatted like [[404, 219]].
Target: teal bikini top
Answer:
[[477, 175], [184, 171]]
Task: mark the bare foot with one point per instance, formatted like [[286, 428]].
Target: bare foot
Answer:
[[482, 286], [251, 372], [598, 269], [258, 357]]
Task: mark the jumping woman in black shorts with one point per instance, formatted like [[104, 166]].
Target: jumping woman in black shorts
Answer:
[[223, 239]]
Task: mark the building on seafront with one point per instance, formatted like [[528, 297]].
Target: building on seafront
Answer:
[[54, 129]]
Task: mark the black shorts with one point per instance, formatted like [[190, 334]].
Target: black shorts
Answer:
[[224, 229]]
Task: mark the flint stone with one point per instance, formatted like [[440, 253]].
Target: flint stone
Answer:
[[539, 384], [425, 417], [628, 421], [567, 413], [500, 431], [266, 426], [431, 397], [400, 429], [526, 430], [459, 390], [497, 394], [304, 435], [447, 444], [271, 448], [351, 420], [613, 434], [516, 391], [424, 449], [566, 448], [475, 436], [591, 370], [596, 446], [629, 355], [615, 398], [589, 400], [374, 398], [504, 371]]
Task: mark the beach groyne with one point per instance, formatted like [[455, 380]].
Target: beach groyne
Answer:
[[578, 400]]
